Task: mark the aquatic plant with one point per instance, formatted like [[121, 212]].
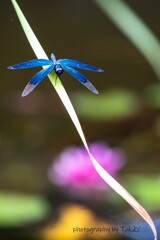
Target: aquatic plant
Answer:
[[73, 169], [40, 53]]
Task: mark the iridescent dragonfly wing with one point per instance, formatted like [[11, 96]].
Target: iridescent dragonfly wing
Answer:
[[82, 79], [36, 80], [32, 63], [77, 64]]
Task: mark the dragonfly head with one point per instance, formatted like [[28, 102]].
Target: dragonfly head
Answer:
[[58, 69]]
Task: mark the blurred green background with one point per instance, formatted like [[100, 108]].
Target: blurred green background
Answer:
[[126, 113]]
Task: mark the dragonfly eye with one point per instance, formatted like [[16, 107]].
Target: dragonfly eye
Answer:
[[58, 69]]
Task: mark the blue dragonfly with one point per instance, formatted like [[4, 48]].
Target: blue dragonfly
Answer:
[[58, 66]]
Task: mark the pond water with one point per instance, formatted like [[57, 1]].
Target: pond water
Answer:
[[36, 128]]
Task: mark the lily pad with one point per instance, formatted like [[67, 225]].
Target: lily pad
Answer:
[[19, 209], [111, 105]]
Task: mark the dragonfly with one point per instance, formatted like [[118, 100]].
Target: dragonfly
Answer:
[[58, 66]]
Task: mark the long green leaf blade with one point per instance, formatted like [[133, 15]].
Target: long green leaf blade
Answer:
[[38, 50]]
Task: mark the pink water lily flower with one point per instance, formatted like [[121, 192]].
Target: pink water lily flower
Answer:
[[73, 168]]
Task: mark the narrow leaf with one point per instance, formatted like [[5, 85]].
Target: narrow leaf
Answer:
[[135, 29], [37, 48]]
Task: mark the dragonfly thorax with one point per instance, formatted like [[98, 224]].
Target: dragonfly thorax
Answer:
[[58, 69]]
